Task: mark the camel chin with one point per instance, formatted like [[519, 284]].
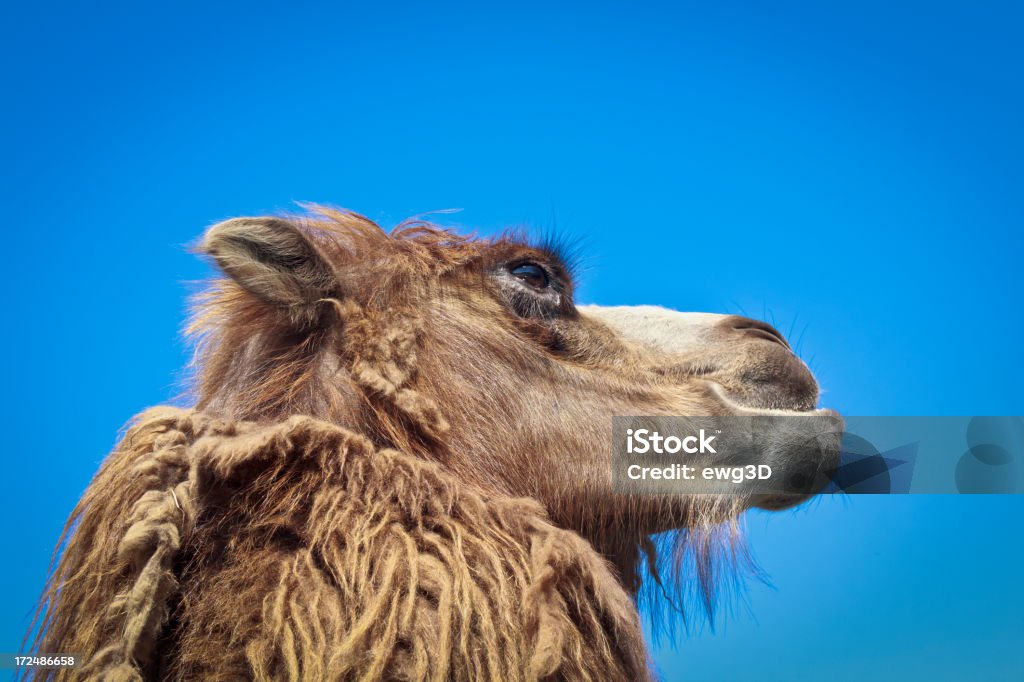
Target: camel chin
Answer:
[[819, 454]]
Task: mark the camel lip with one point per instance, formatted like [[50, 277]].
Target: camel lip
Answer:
[[741, 408]]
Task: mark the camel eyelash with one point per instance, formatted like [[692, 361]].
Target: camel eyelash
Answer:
[[559, 252], [563, 250]]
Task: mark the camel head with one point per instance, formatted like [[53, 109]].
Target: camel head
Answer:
[[473, 353]]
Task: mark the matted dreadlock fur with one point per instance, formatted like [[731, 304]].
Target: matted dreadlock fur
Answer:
[[337, 560], [372, 483]]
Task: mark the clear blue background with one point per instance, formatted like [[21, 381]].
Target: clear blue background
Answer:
[[852, 170]]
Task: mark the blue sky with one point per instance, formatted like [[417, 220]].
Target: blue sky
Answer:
[[850, 170]]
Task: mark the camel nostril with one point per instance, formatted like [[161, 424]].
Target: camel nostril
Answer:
[[758, 329]]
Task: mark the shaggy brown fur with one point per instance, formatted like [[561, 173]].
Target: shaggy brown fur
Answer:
[[396, 468], [341, 561]]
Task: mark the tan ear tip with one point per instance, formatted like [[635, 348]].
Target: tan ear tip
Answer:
[[215, 235], [243, 229]]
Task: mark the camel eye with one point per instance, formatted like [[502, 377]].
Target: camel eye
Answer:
[[531, 274]]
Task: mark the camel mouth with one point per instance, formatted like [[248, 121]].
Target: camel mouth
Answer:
[[771, 402], [805, 449]]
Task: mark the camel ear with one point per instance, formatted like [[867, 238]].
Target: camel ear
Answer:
[[271, 258]]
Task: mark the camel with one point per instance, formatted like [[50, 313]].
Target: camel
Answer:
[[397, 467]]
